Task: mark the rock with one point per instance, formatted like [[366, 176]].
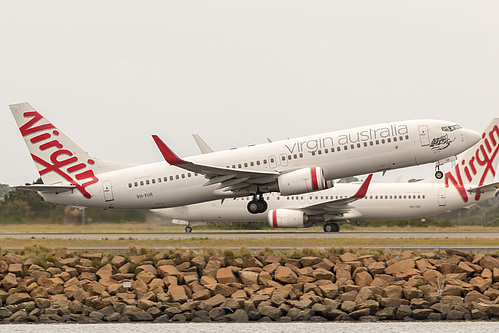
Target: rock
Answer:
[[346, 257], [348, 306], [480, 283], [167, 270], [310, 261], [248, 278], [387, 313], [225, 276], [10, 281], [322, 274], [403, 311], [177, 293], [17, 298], [400, 266], [360, 313], [285, 275], [136, 314], [489, 262], [215, 301], [363, 279], [11, 258], [376, 267], [269, 311], [421, 314], [392, 291]]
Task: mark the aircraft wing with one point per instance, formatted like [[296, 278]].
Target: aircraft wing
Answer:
[[47, 188], [485, 188], [229, 179], [338, 206]]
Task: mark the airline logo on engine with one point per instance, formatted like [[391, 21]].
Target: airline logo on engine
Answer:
[[477, 167], [61, 161]]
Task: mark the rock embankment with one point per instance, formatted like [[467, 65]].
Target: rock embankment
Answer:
[[182, 286]]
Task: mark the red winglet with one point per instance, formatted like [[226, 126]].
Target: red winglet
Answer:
[[167, 153], [363, 189]]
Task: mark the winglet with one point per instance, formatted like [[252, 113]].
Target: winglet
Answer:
[[167, 153], [363, 189]]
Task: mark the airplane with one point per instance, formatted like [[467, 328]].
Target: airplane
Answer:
[[72, 176], [470, 181]]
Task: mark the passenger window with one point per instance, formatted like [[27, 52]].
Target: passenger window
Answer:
[[289, 157], [283, 158], [352, 146], [189, 174], [159, 180], [153, 181], [165, 179], [239, 166], [407, 137], [264, 161], [395, 139], [345, 148], [320, 152], [358, 145], [130, 185], [383, 141], [135, 184], [401, 138], [177, 177], [338, 149], [141, 183], [147, 182], [332, 150], [245, 165], [183, 176], [389, 140], [295, 157], [171, 177], [257, 162], [252, 163], [313, 153], [377, 142], [365, 144], [372, 143]]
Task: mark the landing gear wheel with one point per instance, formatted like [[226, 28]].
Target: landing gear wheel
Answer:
[[263, 204], [439, 174], [188, 229], [256, 206], [331, 227]]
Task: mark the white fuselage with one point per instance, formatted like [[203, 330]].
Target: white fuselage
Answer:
[[382, 202], [340, 154]]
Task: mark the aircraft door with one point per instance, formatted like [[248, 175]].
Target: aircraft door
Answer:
[[441, 197], [272, 162], [424, 137], [283, 159], [108, 190]]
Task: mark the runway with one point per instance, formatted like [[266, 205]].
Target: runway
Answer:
[[259, 235]]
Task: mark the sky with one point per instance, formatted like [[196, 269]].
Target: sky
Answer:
[[112, 73]]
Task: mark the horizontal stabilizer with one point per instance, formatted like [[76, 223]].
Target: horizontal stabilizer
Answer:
[[485, 188], [47, 188]]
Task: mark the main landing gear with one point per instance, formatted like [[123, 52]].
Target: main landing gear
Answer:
[[257, 205], [188, 229], [331, 227]]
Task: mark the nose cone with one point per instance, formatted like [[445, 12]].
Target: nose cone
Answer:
[[472, 137]]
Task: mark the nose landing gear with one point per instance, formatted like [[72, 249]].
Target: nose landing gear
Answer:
[[438, 174]]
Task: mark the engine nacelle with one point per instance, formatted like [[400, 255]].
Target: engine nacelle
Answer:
[[287, 218], [302, 181]]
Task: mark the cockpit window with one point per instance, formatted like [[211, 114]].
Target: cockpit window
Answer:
[[451, 128]]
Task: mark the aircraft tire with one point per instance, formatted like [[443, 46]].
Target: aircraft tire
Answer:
[[257, 206], [188, 229], [331, 227], [439, 174]]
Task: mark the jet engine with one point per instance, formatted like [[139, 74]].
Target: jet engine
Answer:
[[288, 218], [302, 181]]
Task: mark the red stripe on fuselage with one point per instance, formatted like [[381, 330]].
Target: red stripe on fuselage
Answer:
[[274, 218]]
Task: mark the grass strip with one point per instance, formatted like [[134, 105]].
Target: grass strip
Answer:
[[269, 242]]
